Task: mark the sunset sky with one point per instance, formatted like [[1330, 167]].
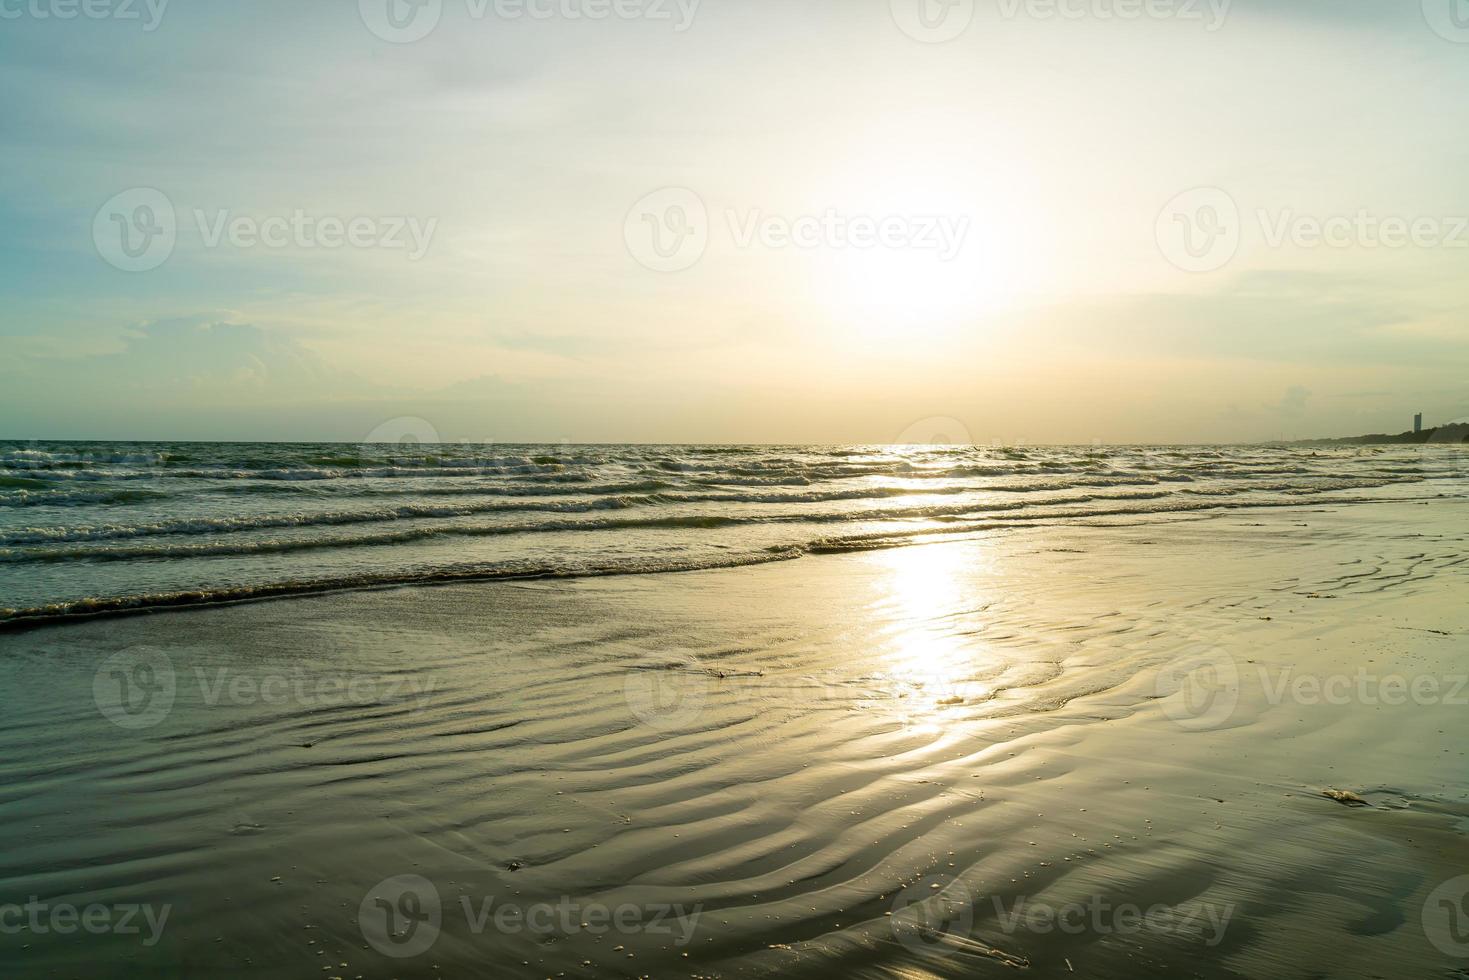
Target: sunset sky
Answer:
[[881, 227]]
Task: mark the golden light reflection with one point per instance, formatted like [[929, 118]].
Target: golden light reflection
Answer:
[[928, 598]]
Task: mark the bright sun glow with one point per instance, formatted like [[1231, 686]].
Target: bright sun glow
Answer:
[[961, 259]]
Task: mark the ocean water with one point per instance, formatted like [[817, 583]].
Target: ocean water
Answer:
[[98, 527], [869, 764]]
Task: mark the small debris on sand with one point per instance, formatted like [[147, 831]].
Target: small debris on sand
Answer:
[[1345, 797]]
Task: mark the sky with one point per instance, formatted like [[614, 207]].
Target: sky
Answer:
[[758, 221]]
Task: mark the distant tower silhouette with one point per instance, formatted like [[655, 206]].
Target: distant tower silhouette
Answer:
[[1418, 423]]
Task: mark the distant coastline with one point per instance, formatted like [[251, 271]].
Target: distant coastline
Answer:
[[1452, 435]]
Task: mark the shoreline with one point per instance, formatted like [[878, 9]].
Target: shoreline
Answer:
[[24, 620]]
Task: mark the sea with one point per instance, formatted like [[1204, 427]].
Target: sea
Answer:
[[90, 528]]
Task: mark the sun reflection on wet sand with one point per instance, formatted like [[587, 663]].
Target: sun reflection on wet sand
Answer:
[[929, 606]]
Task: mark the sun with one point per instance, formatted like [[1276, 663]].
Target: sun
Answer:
[[944, 266]]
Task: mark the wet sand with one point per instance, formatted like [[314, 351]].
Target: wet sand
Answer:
[[1098, 751]]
